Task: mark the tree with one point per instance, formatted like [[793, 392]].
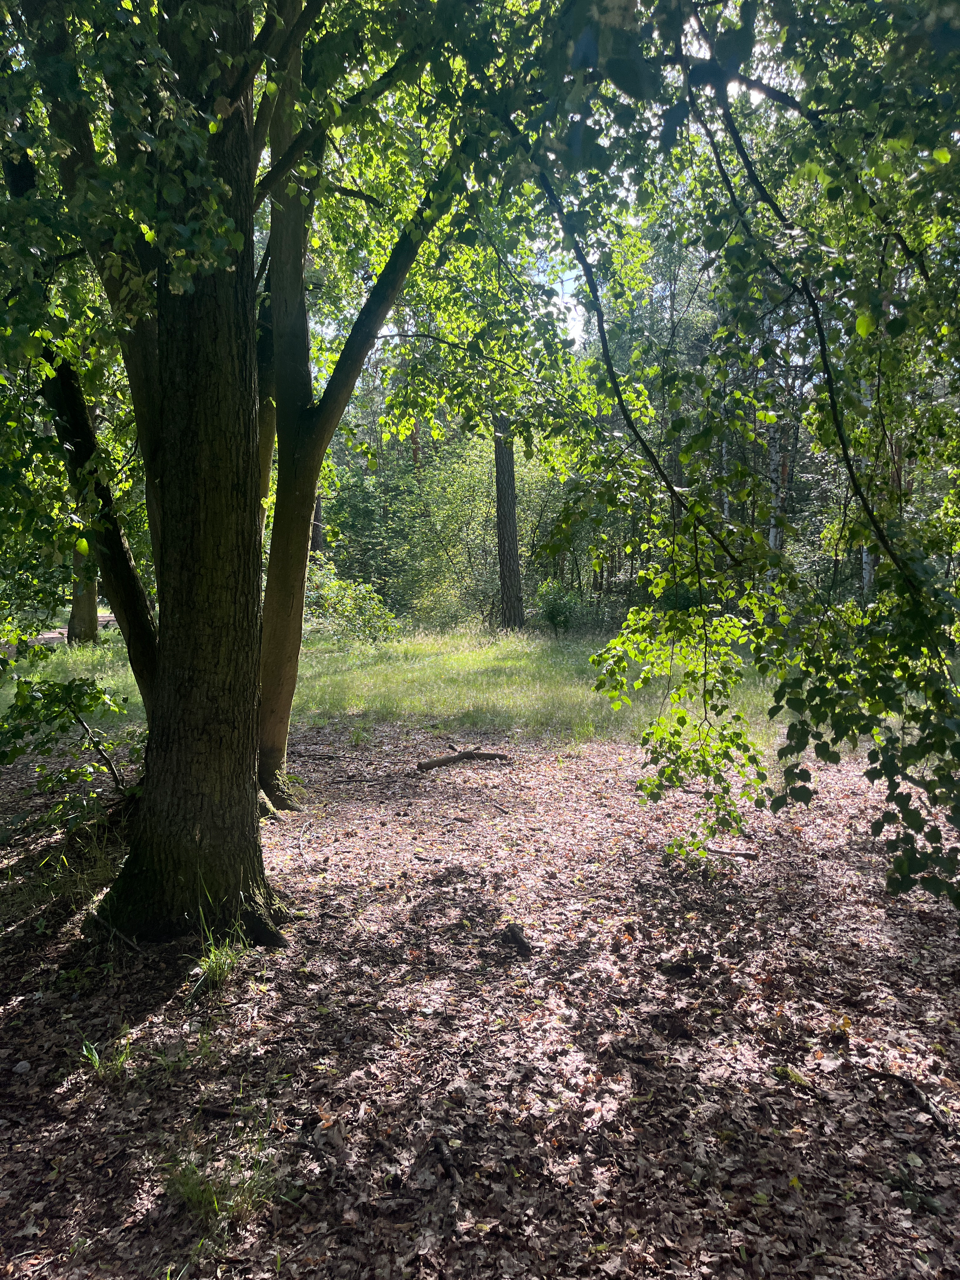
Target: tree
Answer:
[[810, 149], [508, 550], [84, 621], [132, 150]]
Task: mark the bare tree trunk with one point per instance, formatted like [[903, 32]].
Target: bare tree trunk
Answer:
[[286, 573], [316, 529], [118, 573], [266, 404], [508, 548], [83, 626], [195, 854]]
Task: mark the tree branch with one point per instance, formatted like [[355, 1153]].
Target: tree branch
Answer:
[[628, 418], [826, 364], [308, 137]]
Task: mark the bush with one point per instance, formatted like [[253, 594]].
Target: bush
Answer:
[[557, 605], [343, 609]]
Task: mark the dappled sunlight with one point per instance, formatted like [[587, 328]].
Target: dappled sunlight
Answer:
[[702, 1068]]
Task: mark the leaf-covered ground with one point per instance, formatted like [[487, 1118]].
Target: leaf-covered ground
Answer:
[[755, 1074]]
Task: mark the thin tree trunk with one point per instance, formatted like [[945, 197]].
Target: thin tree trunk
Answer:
[[118, 573], [283, 610], [316, 529], [72, 420], [83, 625], [508, 547], [266, 403], [195, 855]]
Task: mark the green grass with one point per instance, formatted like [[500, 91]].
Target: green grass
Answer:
[[106, 660], [460, 681], [523, 683]]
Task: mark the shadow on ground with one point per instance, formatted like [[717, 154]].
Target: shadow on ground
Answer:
[[747, 1073]]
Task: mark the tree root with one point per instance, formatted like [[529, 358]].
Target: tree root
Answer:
[[265, 809], [276, 789], [261, 931]]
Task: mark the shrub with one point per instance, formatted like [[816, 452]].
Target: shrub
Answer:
[[557, 605], [344, 609]]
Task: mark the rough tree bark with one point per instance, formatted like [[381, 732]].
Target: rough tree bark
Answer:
[[83, 624], [508, 547], [195, 853]]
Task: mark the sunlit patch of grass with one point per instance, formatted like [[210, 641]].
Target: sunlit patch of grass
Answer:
[[457, 682], [107, 661], [466, 681]]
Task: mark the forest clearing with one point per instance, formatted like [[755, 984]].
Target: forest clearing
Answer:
[[734, 1066]]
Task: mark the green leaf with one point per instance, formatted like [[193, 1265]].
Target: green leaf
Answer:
[[83, 546], [865, 324]]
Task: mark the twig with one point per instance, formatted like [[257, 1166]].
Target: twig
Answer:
[[732, 853], [446, 1159], [440, 761], [591, 282], [910, 1086], [300, 840], [117, 777]]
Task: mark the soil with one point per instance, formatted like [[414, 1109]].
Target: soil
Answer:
[[506, 1039]]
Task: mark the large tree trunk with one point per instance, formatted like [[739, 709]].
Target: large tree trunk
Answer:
[[508, 547], [83, 625], [195, 855]]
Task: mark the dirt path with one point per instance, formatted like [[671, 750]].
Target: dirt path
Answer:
[[752, 1075]]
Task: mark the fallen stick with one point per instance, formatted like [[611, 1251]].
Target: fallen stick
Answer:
[[732, 853], [440, 761]]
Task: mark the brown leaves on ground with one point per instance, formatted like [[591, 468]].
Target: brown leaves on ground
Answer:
[[754, 1074]]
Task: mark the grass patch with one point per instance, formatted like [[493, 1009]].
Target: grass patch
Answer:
[[107, 661], [465, 681], [219, 958], [110, 1063], [460, 681], [224, 1188]]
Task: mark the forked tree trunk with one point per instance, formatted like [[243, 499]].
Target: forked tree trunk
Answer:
[[84, 623], [195, 853], [303, 435], [508, 547]]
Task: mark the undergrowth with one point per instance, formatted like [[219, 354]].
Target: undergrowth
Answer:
[[224, 1188]]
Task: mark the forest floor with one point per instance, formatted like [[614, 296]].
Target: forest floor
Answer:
[[748, 1073]]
